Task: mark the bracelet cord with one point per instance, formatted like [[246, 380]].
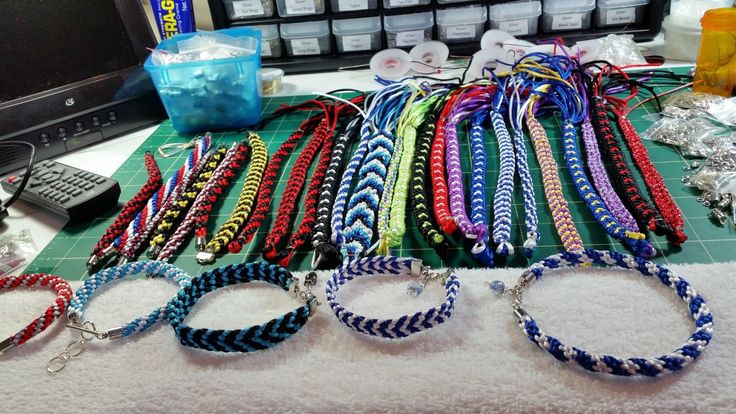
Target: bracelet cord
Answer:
[[502, 201], [561, 216], [649, 367], [327, 256], [40, 324], [133, 206], [634, 240], [420, 204], [440, 190], [639, 206], [531, 219], [602, 182], [140, 229], [202, 204], [231, 228], [249, 339], [181, 205], [478, 207], [661, 197], [401, 327]]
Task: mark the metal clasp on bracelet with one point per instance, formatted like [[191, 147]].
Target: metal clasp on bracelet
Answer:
[[88, 331], [415, 288], [305, 294], [6, 344]]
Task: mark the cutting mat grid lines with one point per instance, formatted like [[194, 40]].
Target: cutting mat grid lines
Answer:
[[67, 253]]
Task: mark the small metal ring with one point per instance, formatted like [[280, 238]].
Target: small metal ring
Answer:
[[62, 360]]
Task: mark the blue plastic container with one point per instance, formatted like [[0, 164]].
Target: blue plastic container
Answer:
[[212, 95]]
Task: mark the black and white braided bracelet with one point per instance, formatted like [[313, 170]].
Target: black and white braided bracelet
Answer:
[[649, 367], [403, 326], [249, 339]]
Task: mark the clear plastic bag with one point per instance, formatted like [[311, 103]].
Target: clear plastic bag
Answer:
[[692, 100], [724, 111], [704, 145], [689, 133], [204, 46], [620, 50], [15, 250]]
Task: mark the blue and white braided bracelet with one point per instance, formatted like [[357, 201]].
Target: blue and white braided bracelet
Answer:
[[89, 331], [649, 367], [249, 339], [388, 265]]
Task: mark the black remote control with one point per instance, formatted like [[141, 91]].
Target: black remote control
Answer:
[[71, 192]]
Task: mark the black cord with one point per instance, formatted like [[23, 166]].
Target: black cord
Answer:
[[27, 175]]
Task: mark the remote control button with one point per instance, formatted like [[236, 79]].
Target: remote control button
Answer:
[[88, 186], [112, 116], [52, 194], [65, 199], [84, 175], [44, 138], [34, 183], [76, 192], [11, 179], [100, 180], [42, 191], [78, 126], [61, 132], [95, 121]]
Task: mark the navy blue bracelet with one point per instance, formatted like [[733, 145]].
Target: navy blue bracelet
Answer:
[[387, 265], [650, 367], [249, 339]]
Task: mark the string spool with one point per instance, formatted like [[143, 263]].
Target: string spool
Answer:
[[428, 57], [391, 63], [494, 38], [489, 58], [271, 79]]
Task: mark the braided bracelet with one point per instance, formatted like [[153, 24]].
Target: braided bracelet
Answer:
[[650, 367], [104, 249], [240, 214], [440, 191], [502, 201], [89, 331], [403, 326], [249, 339], [40, 324]]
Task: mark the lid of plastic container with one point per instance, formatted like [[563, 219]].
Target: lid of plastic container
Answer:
[[462, 15], [356, 26], [306, 29], [268, 31], [568, 6], [408, 21], [719, 19], [516, 10], [667, 24], [610, 4]]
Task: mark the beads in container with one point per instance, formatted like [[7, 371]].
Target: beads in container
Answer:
[[404, 30], [248, 9], [270, 41], [353, 35], [461, 24], [305, 39], [564, 15], [290, 8], [353, 5], [519, 18]]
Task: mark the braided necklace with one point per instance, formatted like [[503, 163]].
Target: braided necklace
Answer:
[[326, 254], [104, 249], [144, 223], [403, 326], [198, 215], [40, 324], [607, 364], [249, 339], [181, 204], [440, 191], [241, 212], [89, 331]]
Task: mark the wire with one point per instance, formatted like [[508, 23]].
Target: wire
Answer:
[[27, 175]]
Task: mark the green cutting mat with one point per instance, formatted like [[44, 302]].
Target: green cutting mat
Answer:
[[67, 253]]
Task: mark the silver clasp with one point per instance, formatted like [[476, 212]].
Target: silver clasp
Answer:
[[88, 332], [305, 295], [6, 344]]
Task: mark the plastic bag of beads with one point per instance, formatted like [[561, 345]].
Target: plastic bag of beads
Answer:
[[724, 111], [692, 100], [202, 47], [15, 250], [704, 145], [691, 132], [620, 50]]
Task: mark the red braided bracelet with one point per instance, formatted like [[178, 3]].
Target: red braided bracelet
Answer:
[[53, 312], [103, 249], [437, 172]]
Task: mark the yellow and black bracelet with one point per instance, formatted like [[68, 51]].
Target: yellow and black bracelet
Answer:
[[244, 206]]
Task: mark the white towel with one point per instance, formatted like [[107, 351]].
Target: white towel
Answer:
[[478, 361]]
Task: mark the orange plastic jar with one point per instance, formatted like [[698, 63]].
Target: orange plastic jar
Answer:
[[715, 70]]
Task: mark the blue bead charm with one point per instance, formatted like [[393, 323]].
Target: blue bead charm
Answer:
[[497, 287], [414, 289]]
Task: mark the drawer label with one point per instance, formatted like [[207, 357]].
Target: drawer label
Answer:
[[461, 31], [409, 38], [350, 5], [403, 3], [567, 21], [353, 43], [518, 27], [621, 16], [300, 7], [246, 8], [301, 47]]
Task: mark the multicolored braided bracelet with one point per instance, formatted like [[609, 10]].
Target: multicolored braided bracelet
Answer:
[[403, 326], [81, 298], [64, 295], [649, 367], [249, 339]]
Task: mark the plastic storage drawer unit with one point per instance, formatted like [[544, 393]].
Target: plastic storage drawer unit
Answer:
[[248, 9], [308, 38], [392, 4], [620, 12], [353, 5], [518, 19], [210, 95], [290, 8], [563, 15], [461, 24], [270, 41], [404, 30], [353, 35]]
